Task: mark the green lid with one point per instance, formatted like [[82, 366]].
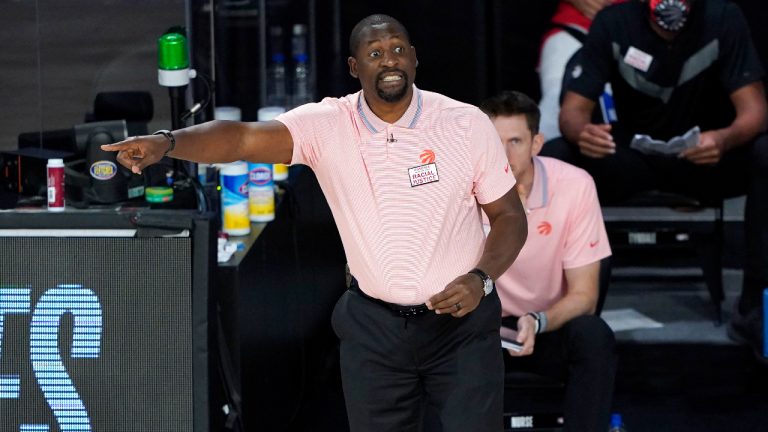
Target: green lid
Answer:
[[158, 194], [172, 52]]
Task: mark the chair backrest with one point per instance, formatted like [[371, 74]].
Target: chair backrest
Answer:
[[677, 229]]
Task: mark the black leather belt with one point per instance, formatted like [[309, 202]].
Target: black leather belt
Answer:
[[399, 310]]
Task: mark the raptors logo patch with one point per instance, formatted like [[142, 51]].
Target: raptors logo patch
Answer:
[[544, 228], [427, 156]]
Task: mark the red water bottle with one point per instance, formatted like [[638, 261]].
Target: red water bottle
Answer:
[[55, 184]]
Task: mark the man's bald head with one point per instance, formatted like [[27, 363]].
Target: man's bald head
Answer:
[[370, 21]]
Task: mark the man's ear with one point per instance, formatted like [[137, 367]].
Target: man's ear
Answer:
[[413, 48], [352, 62], [538, 143]]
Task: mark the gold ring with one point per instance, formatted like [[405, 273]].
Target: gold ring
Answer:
[[457, 306]]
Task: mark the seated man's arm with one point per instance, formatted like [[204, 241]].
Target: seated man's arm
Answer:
[[751, 116], [581, 298], [594, 140]]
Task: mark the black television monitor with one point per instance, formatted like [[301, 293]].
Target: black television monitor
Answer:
[[102, 132], [102, 179]]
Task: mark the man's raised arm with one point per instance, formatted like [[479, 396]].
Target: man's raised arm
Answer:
[[214, 141]]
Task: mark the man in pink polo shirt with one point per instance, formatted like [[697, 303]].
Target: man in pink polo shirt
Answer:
[[550, 292], [406, 173]]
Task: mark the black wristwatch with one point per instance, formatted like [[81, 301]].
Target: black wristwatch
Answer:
[[487, 281], [169, 136]]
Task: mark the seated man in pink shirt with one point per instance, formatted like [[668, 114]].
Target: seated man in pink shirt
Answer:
[[405, 173], [550, 292]]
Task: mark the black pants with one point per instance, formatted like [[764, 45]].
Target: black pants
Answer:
[[392, 367], [743, 170], [582, 354]]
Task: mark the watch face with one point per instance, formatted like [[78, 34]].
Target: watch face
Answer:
[[487, 281]]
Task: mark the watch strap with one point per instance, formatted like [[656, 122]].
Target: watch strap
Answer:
[[483, 275], [487, 281], [169, 136]]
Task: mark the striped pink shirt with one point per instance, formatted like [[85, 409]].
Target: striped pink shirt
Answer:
[[404, 195], [565, 231]]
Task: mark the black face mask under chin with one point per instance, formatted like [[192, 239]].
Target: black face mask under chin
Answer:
[[671, 15]]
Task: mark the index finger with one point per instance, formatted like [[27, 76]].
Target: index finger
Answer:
[[437, 298], [122, 145]]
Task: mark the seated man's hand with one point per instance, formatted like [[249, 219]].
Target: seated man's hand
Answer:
[[526, 335], [596, 141], [708, 151], [590, 8]]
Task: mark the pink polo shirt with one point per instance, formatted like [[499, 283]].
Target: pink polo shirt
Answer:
[[405, 195], [565, 230]]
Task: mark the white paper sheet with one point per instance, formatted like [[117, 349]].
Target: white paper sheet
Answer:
[[628, 319], [648, 145]]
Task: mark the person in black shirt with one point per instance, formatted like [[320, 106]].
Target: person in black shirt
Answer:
[[674, 65]]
